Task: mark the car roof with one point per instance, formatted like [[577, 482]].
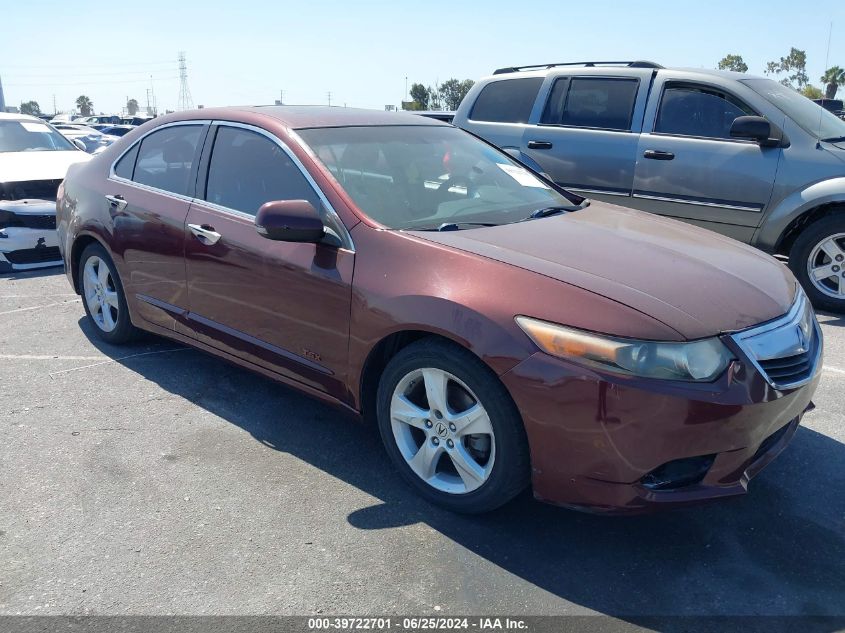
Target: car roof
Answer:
[[611, 68], [300, 117], [19, 117]]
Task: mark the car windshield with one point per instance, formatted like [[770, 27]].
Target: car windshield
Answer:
[[810, 116], [421, 177], [31, 136]]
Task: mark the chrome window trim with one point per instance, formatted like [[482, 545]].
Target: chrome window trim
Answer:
[[602, 192], [345, 238], [785, 322]]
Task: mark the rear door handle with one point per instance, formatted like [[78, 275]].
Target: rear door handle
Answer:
[[205, 233], [656, 154], [117, 202], [539, 145]]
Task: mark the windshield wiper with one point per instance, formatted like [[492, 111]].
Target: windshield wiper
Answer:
[[834, 139], [452, 226], [555, 210]]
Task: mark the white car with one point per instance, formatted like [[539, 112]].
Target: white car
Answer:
[[93, 140], [34, 159]]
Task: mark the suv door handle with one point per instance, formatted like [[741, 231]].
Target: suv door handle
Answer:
[[656, 154], [539, 145], [205, 233], [117, 201]]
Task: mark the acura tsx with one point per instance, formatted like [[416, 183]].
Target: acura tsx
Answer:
[[500, 331]]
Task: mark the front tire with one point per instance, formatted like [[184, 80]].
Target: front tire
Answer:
[[817, 259], [451, 428], [103, 296]]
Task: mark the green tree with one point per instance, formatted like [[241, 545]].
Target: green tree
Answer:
[[812, 92], [453, 91], [734, 63], [85, 105], [434, 99], [419, 93], [832, 79], [132, 107], [31, 107], [794, 65]]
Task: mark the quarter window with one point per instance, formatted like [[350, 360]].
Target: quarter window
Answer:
[[507, 101], [166, 159], [247, 169], [126, 165], [698, 111], [593, 102]]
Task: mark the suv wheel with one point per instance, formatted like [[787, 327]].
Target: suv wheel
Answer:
[[451, 428], [818, 261], [103, 297]]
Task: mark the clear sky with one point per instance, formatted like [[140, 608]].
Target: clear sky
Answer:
[[362, 50]]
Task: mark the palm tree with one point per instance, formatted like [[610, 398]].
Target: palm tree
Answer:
[[132, 107], [85, 105], [833, 78]]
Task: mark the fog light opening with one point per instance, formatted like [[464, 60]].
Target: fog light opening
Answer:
[[678, 473]]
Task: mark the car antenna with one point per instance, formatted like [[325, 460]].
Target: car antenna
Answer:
[[826, 62]]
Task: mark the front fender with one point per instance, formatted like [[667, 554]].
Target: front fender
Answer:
[[771, 231]]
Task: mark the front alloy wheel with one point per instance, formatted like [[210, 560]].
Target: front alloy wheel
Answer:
[[451, 428], [817, 259]]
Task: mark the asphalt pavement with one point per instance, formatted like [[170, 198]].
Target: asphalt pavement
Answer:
[[155, 479]]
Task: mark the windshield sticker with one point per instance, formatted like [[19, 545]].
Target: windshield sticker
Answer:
[[524, 178], [35, 127]]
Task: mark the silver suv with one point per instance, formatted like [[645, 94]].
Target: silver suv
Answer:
[[742, 155]]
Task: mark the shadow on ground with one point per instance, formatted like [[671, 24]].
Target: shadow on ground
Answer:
[[779, 550]]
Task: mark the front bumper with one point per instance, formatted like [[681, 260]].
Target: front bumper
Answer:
[[23, 248], [593, 437]]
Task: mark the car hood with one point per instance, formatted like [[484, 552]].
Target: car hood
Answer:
[[695, 281], [18, 166]]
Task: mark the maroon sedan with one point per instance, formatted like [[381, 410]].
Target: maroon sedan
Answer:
[[500, 330]]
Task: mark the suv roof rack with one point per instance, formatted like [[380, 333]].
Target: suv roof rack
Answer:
[[632, 64]]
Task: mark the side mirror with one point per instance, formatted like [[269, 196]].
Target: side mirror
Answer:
[[79, 144], [289, 221], [756, 128]]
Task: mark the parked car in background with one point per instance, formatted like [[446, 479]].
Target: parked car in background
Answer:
[[117, 130], [92, 140], [740, 155], [138, 119], [439, 115], [499, 329], [33, 161], [100, 118], [832, 105]]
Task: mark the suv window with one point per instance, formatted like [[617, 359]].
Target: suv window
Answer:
[[698, 111], [166, 158], [126, 165], [247, 169], [507, 101], [594, 102]]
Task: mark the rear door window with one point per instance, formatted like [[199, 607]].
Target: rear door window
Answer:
[[592, 102], [698, 111], [507, 101], [247, 169], [166, 159]]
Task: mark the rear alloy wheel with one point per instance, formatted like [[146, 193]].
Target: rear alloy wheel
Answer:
[[451, 428], [818, 261], [102, 296]]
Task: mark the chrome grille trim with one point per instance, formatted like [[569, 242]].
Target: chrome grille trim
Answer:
[[781, 345]]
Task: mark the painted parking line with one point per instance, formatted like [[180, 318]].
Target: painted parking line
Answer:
[[49, 305], [48, 357]]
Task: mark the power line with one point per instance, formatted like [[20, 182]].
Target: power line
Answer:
[[94, 82], [107, 65]]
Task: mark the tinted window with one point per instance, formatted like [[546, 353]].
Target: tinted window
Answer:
[[166, 158], [691, 111], [592, 102], [247, 169], [126, 165], [507, 101]]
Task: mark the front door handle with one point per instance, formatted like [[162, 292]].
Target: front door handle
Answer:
[[656, 154], [539, 145], [205, 233], [117, 201]]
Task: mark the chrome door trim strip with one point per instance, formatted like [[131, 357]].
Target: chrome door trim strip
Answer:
[[699, 203]]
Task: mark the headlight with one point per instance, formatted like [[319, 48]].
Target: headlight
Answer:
[[702, 360]]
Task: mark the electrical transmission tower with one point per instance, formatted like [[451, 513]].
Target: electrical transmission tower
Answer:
[[185, 100]]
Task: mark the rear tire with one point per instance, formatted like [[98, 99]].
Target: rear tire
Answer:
[[817, 259], [103, 296], [451, 428]]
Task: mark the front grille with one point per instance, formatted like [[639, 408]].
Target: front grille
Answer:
[[45, 222], [35, 255], [785, 351], [35, 189]]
